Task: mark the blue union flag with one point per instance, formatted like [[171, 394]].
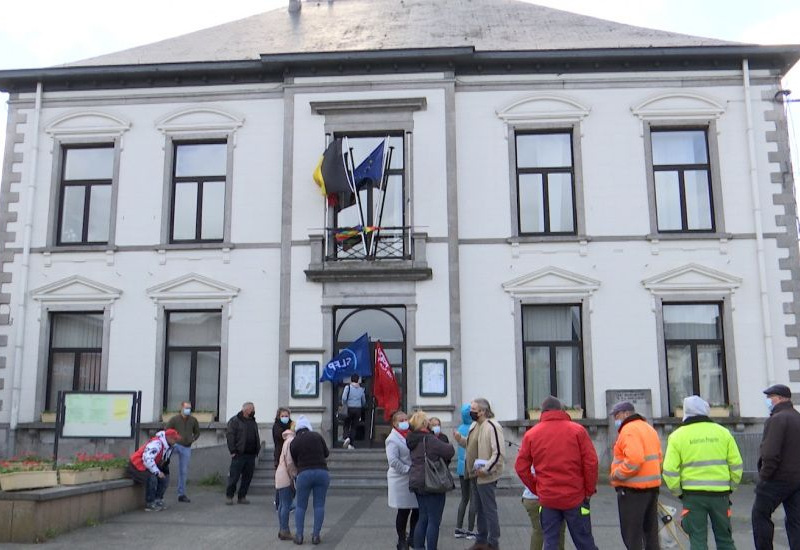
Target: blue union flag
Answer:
[[354, 359]]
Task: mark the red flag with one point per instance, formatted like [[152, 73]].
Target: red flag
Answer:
[[387, 393]]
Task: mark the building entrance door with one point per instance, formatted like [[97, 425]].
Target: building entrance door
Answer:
[[386, 324]]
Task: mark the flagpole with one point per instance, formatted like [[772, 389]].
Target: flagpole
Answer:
[[382, 188], [352, 183]]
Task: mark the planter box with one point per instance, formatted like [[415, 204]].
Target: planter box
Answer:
[[114, 473], [678, 413], [575, 414], [49, 417], [28, 480], [534, 414], [720, 412], [79, 477], [202, 417]]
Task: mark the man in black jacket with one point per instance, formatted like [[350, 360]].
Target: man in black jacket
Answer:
[[778, 470], [244, 445]]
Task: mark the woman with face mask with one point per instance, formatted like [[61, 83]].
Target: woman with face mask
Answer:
[[436, 429], [283, 422], [400, 497]]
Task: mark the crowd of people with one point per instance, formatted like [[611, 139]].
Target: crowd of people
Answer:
[[557, 464]]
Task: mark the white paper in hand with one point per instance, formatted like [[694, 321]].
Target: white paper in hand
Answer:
[[479, 464]]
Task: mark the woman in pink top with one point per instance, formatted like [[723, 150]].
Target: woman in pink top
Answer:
[[285, 474]]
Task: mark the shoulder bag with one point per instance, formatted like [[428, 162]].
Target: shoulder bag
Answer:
[[438, 478], [341, 414]]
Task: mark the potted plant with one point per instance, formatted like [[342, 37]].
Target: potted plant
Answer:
[[27, 472], [575, 413], [84, 468], [114, 466], [49, 417], [535, 413], [720, 410], [678, 412]]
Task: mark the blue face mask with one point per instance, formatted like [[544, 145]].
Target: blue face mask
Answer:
[[769, 404], [402, 425], [617, 424], [284, 420], [436, 429], [187, 411]]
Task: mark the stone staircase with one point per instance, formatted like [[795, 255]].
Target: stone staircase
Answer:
[[354, 469]]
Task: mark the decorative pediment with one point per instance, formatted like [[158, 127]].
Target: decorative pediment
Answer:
[[199, 119], [543, 108], [550, 281], [76, 290], [692, 278], [192, 288], [88, 123], [678, 105]]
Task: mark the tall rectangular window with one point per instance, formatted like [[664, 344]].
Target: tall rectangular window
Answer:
[[75, 354], [682, 177], [194, 344], [545, 183], [84, 210], [383, 208], [198, 192], [695, 352], [553, 354]]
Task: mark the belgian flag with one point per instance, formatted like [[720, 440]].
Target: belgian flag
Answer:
[[331, 174]]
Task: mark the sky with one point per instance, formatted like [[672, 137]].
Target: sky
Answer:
[[40, 33]]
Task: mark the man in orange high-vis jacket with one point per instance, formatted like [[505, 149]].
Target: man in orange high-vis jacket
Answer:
[[636, 475]]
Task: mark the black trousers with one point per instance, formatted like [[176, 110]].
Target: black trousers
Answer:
[[351, 423], [242, 466], [638, 518], [770, 495]]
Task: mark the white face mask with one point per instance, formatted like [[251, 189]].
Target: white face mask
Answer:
[[436, 429], [402, 425], [769, 404], [617, 423], [187, 411]]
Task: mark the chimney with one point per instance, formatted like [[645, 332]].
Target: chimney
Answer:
[[295, 6]]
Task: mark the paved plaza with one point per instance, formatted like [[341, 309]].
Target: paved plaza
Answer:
[[358, 520]]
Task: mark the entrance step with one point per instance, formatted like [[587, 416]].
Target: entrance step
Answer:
[[352, 469]]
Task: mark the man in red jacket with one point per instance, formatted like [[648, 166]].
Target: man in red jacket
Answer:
[[566, 474]]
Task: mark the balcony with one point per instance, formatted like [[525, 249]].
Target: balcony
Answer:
[[398, 255]]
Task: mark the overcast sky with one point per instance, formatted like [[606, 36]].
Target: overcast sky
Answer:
[[40, 33]]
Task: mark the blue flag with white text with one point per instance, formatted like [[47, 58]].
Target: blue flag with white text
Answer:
[[354, 359]]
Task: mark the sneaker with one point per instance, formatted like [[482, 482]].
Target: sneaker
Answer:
[[285, 535], [346, 443], [472, 535], [161, 505], [151, 507], [183, 498], [315, 539], [460, 533], [243, 500], [351, 448], [228, 500], [298, 540]]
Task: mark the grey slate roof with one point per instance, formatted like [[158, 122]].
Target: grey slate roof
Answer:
[[352, 25]]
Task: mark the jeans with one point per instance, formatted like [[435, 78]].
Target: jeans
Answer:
[[532, 506], [185, 455], [638, 518], [770, 495], [309, 481], [431, 508], [241, 466], [284, 503], [697, 509], [579, 522], [154, 486], [486, 509], [467, 490]]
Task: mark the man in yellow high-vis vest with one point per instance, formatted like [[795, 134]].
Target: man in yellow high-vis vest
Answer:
[[703, 467]]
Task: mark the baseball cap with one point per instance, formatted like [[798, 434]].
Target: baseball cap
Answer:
[[172, 433]]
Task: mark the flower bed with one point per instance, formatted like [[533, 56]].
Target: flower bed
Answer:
[[86, 468], [27, 472]]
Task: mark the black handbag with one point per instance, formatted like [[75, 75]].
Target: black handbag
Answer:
[[438, 478], [341, 413]]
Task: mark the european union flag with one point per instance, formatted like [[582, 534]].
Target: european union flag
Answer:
[[370, 171], [353, 359]]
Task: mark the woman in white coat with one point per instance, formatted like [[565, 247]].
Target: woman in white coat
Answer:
[[400, 497]]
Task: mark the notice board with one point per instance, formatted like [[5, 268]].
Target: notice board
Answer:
[[98, 414]]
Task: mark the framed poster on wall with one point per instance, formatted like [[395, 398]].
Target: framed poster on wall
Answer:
[[432, 377], [305, 379]]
